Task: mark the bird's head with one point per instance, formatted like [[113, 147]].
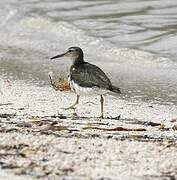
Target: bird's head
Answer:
[[74, 53]]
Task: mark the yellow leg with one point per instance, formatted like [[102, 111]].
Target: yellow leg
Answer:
[[73, 106], [101, 101]]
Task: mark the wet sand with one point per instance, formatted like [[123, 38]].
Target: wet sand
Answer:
[[41, 140]]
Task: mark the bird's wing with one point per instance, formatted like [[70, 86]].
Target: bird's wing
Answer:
[[90, 75]]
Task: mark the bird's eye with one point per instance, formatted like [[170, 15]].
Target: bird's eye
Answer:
[[69, 50]]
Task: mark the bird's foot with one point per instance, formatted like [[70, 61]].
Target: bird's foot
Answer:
[[70, 107], [100, 117], [73, 107]]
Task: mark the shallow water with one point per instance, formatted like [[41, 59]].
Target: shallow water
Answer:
[[133, 41]]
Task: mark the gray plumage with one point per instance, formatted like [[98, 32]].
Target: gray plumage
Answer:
[[87, 78], [89, 75]]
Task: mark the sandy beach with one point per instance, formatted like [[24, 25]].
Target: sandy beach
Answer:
[[134, 43], [41, 140]]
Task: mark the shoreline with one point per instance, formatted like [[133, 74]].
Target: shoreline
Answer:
[[41, 140]]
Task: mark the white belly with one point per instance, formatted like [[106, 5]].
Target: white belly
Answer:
[[86, 91]]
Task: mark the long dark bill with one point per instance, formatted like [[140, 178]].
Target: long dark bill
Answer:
[[58, 56]]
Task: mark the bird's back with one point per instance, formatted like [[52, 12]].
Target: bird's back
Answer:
[[89, 75]]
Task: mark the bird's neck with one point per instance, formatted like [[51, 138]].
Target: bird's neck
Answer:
[[79, 60]]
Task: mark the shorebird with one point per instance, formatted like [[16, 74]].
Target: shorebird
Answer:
[[85, 78]]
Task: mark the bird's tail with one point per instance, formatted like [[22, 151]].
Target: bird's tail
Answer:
[[116, 90]]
